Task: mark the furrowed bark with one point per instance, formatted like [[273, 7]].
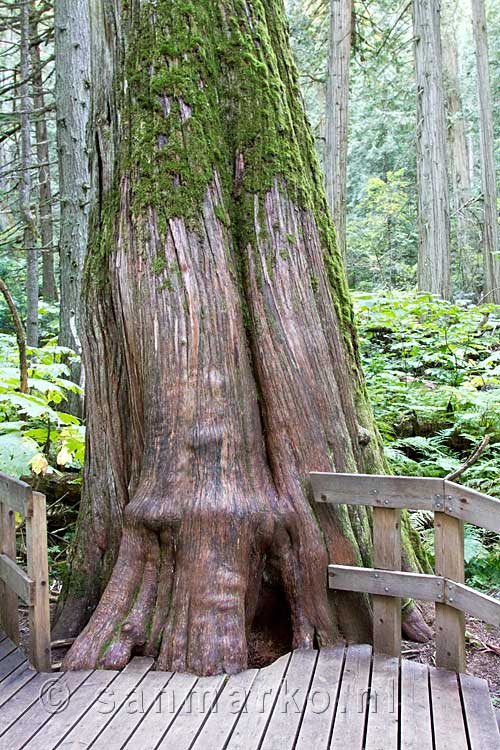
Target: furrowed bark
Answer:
[[459, 160], [219, 346], [28, 218], [337, 101], [432, 176], [487, 147], [74, 142], [49, 286]]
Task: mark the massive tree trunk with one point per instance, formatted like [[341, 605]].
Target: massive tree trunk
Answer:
[[432, 176], [219, 344], [488, 167], [337, 101]]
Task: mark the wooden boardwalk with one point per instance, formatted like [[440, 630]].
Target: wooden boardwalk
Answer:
[[307, 700]]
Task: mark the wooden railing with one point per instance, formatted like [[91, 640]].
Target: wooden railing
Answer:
[[452, 505], [32, 587]]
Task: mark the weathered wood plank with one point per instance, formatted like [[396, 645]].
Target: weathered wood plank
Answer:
[[387, 555], [479, 715], [107, 705], [163, 713], [23, 698], [51, 704], [349, 724], [19, 583], [9, 614], [81, 700], [220, 724], [449, 563], [15, 494], [383, 719], [6, 648], [472, 507], [386, 582], [133, 711], [289, 709], [416, 725], [448, 720], [320, 707], [38, 571], [414, 493], [193, 715], [11, 662], [15, 681], [252, 722], [478, 605]]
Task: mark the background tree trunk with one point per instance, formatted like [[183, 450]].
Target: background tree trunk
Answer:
[[28, 218], [337, 102], [219, 347], [487, 144], [49, 286], [459, 161], [432, 176], [72, 51]]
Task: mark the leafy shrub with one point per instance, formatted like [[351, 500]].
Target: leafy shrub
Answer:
[[35, 434], [433, 371]]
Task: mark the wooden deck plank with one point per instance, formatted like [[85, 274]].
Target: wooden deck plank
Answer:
[[6, 648], [11, 684], [447, 716], [305, 701], [43, 709], [22, 700], [163, 713], [416, 724], [220, 724], [383, 713], [252, 722], [93, 722], [479, 715], [192, 717], [349, 725], [320, 708], [11, 662], [287, 714], [61, 723], [133, 712]]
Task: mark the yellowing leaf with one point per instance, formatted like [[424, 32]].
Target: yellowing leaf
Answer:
[[39, 464], [64, 456]]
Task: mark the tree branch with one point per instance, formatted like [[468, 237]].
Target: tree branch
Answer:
[[20, 336], [471, 460]]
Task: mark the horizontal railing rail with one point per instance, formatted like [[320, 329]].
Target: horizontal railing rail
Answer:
[[452, 505], [31, 586]]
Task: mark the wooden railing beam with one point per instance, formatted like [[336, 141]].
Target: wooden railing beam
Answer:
[[9, 613], [33, 587], [452, 505], [36, 536], [387, 556], [449, 563]]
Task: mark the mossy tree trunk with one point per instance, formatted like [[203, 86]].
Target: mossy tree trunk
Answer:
[[220, 348]]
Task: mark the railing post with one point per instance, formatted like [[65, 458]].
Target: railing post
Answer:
[[36, 538], [449, 563], [9, 614], [387, 556]]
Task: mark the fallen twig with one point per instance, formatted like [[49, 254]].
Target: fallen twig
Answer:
[[471, 460]]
